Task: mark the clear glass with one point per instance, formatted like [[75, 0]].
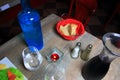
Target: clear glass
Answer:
[[97, 67], [32, 59], [29, 20], [54, 72]]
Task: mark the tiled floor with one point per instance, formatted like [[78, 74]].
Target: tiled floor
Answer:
[[59, 7]]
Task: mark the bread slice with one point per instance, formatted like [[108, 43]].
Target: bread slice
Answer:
[[68, 29], [64, 29], [72, 29]]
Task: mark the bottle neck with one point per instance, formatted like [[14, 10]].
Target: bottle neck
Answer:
[[106, 56], [25, 4]]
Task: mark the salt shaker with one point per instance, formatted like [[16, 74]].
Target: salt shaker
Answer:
[[85, 54], [76, 51]]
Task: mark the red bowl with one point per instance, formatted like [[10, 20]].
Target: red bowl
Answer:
[[79, 30]]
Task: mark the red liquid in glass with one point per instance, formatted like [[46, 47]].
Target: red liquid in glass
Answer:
[[95, 69]]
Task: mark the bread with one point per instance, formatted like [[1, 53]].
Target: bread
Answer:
[[72, 29], [68, 29], [64, 29]]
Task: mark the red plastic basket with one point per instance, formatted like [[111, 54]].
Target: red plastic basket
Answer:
[[79, 30]]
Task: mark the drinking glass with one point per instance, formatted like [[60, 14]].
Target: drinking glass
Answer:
[[32, 59], [54, 71], [97, 67]]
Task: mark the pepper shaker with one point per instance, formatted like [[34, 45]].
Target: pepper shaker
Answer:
[[76, 51], [85, 54]]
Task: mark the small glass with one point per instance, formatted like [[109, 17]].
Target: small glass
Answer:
[[54, 71], [54, 55], [32, 59]]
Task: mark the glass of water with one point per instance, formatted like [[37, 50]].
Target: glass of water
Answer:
[[54, 71], [32, 59]]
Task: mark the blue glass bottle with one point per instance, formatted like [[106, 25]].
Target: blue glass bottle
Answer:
[[29, 21]]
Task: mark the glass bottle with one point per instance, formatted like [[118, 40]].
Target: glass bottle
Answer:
[[29, 21], [85, 54], [76, 51], [97, 67]]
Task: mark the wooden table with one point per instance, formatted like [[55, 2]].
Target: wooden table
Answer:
[[13, 50]]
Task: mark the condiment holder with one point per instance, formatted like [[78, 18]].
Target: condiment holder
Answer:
[[54, 55]]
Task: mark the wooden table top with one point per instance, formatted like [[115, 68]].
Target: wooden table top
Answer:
[[13, 50]]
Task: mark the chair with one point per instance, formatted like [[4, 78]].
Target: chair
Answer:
[[116, 11], [84, 9]]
